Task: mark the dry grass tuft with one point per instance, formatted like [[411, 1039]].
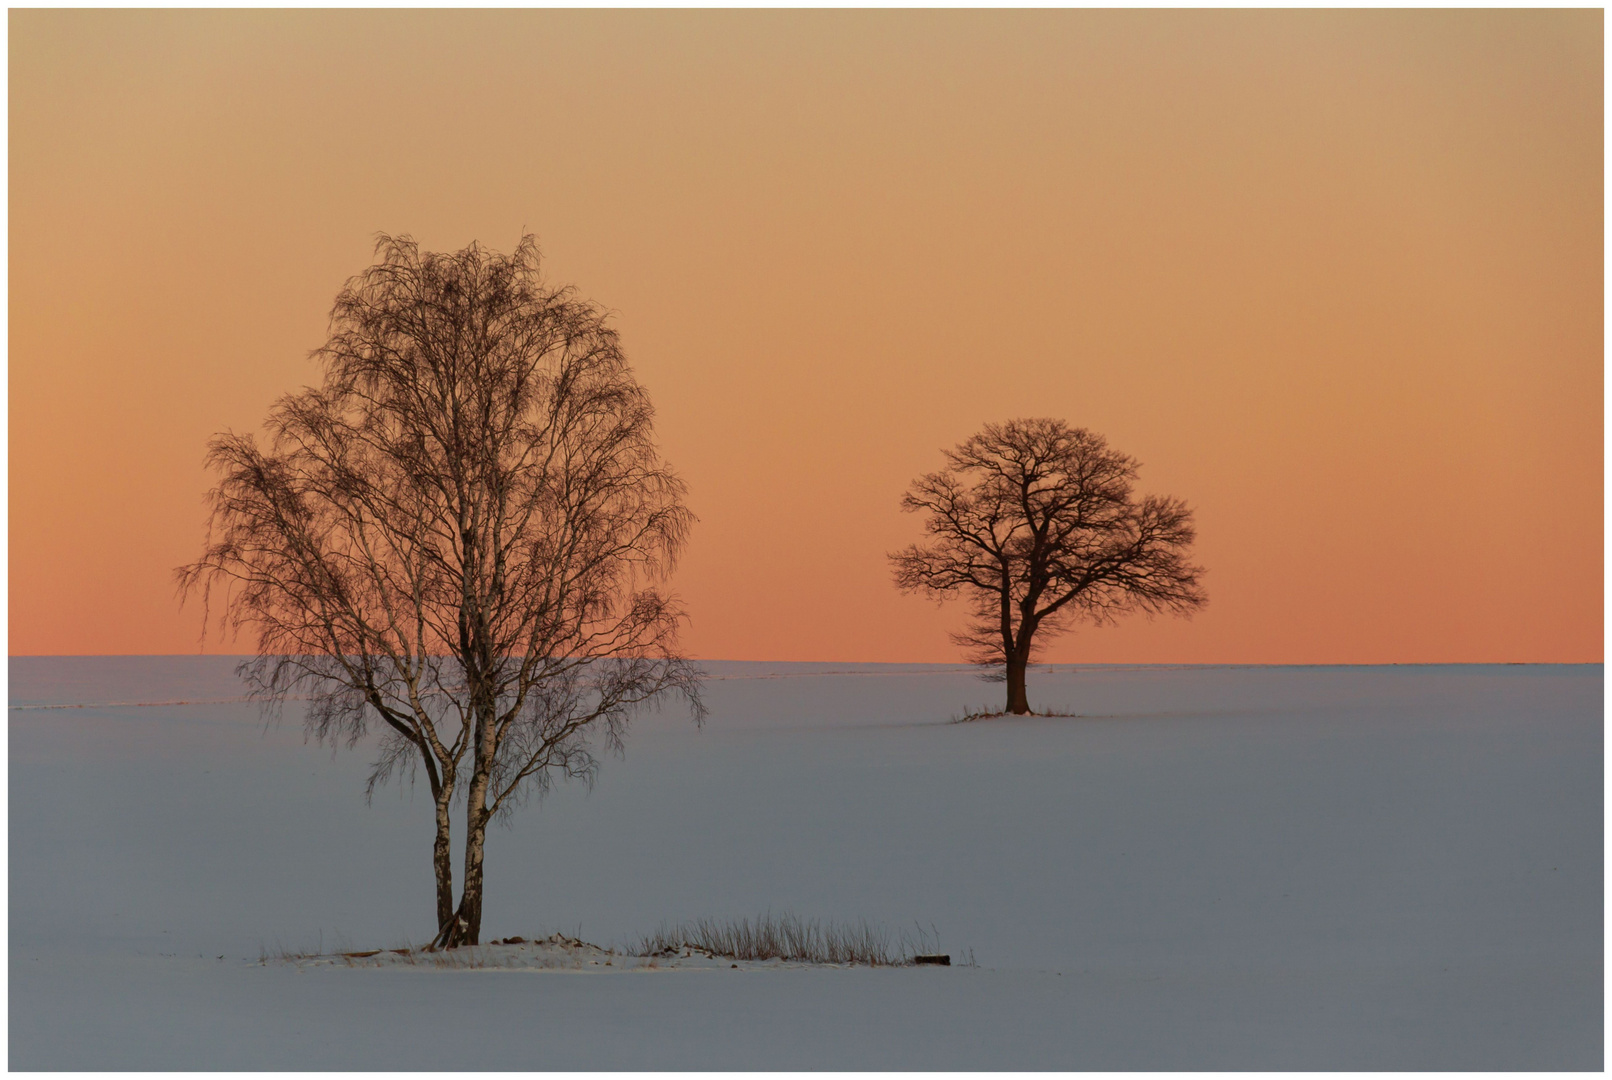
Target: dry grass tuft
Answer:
[[784, 937]]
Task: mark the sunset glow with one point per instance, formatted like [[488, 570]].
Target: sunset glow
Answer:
[[1333, 278]]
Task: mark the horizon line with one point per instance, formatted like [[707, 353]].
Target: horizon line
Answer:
[[942, 663]]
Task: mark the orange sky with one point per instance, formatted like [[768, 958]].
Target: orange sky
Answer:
[[1334, 278]]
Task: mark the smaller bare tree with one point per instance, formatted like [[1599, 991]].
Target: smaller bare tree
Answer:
[[1035, 522]]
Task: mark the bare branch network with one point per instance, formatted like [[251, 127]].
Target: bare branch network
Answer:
[[459, 534], [1036, 524]]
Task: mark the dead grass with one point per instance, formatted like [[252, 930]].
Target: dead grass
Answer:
[[786, 937]]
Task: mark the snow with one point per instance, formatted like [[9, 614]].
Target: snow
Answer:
[[1207, 868], [553, 953]]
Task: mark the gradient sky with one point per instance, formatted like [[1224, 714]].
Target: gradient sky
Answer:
[[1335, 278]]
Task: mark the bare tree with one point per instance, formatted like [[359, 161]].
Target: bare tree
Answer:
[[457, 535], [1036, 524]]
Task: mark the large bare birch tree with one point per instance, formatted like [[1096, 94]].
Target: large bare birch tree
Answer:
[[456, 540], [1037, 525]]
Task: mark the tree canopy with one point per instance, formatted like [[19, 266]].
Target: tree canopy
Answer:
[[1037, 524], [458, 535]]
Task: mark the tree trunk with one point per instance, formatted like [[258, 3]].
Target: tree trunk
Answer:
[[464, 926], [470, 900], [442, 862], [1018, 702]]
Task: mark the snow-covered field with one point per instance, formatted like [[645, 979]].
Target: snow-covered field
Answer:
[[1246, 868]]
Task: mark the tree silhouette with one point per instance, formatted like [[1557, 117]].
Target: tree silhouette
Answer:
[[457, 535], [1036, 524]]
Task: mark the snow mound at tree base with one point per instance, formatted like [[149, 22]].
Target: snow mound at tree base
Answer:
[[557, 953]]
